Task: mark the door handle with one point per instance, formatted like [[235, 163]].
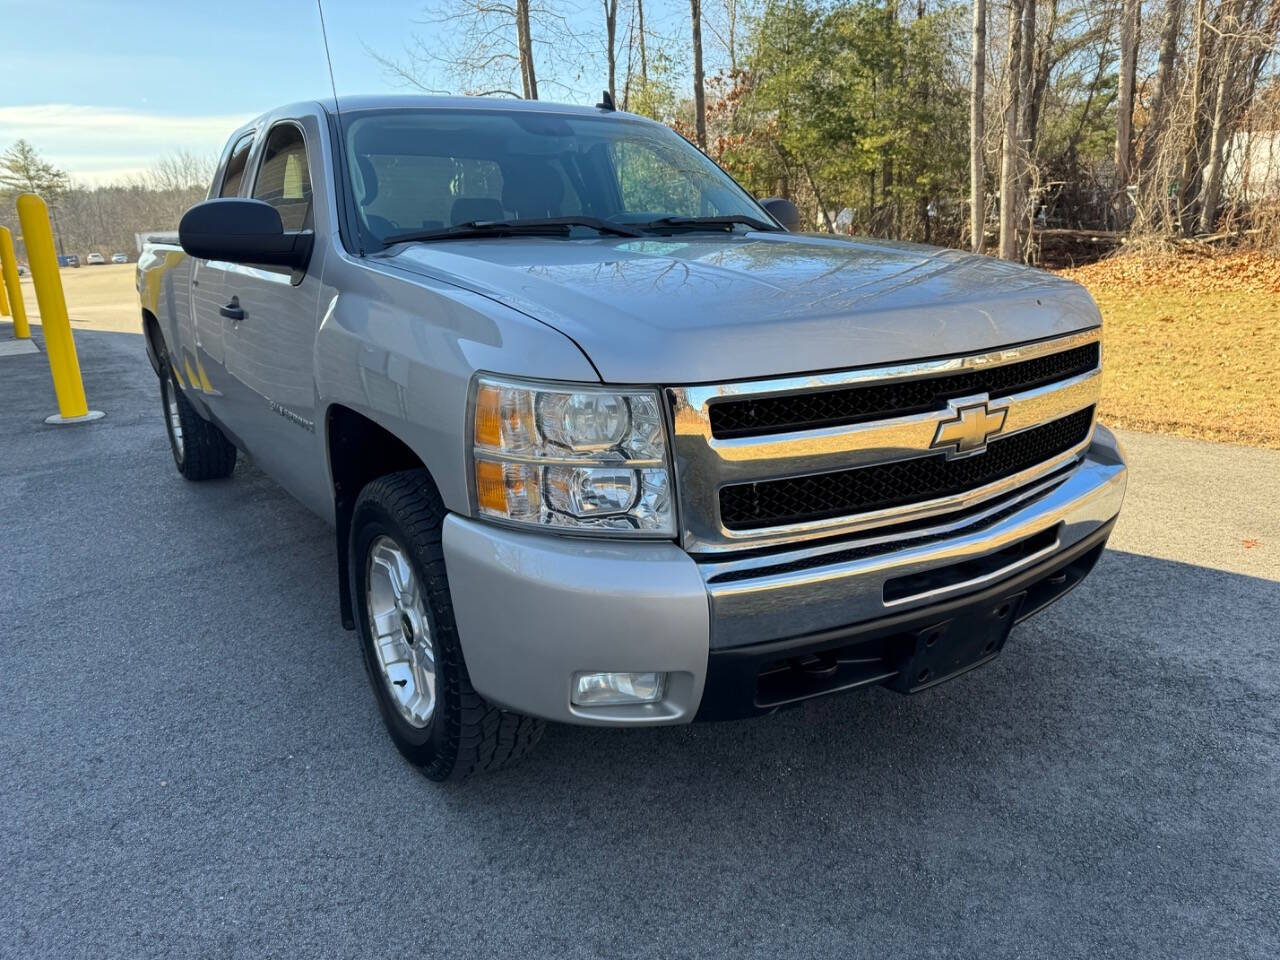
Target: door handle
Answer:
[[232, 310]]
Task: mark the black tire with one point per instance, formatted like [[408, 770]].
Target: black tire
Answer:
[[203, 452], [465, 734]]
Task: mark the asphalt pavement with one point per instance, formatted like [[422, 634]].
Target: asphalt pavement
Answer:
[[192, 764]]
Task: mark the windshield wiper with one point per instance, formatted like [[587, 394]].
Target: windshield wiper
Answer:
[[541, 227], [712, 223]]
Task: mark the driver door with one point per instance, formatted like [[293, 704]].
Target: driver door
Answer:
[[269, 321]]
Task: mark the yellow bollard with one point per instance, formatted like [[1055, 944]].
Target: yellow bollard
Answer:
[[33, 214], [9, 271], [4, 299]]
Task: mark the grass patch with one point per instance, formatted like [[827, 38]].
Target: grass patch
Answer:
[[1192, 346]]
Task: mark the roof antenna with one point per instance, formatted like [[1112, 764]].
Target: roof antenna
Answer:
[[333, 85], [606, 101], [337, 109]]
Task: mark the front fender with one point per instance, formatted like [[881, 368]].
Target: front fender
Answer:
[[401, 350]]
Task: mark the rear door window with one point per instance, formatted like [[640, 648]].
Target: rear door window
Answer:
[[233, 176]]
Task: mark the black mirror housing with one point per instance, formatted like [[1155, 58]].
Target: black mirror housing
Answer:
[[242, 231], [785, 212]]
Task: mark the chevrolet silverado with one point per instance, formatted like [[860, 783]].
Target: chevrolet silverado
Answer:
[[606, 440]]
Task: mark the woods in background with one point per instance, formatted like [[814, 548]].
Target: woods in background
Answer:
[[997, 124], [102, 219], [1041, 130]]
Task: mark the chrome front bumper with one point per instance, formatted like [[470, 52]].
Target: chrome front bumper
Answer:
[[819, 588], [532, 610]]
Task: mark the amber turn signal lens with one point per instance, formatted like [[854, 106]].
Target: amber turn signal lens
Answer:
[[491, 486], [489, 418]]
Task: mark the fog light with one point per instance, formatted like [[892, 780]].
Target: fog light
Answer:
[[610, 689]]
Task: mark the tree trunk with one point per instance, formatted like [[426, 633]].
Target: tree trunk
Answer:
[[631, 48], [524, 40], [699, 93], [1164, 76], [813, 185], [1009, 148], [1026, 74], [731, 11], [1211, 191], [1045, 61], [611, 35], [977, 130], [644, 59], [1026, 86], [1124, 107], [1191, 158]]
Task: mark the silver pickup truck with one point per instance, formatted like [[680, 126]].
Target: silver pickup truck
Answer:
[[603, 439]]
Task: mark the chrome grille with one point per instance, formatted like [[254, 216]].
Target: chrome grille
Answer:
[[821, 467], [752, 417], [819, 496]]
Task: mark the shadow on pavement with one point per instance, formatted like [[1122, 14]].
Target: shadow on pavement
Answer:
[[194, 763]]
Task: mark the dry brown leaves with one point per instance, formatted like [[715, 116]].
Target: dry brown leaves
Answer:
[[1224, 273], [1192, 344]]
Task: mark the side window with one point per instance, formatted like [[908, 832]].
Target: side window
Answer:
[[283, 180], [234, 174]]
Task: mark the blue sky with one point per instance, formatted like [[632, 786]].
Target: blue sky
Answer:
[[105, 89]]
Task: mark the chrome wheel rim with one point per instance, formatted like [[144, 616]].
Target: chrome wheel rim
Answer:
[[401, 634], [175, 418]]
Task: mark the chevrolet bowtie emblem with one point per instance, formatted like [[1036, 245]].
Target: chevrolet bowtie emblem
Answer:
[[972, 423]]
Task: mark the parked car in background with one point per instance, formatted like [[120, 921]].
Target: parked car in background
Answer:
[[69, 260], [119, 258], [602, 441], [95, 259]]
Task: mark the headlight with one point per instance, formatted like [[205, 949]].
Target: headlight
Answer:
[[589, 458]]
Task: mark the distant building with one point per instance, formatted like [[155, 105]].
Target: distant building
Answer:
[[1253, 165]]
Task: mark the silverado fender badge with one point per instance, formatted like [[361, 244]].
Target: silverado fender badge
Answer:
[[292, 417], [971, 424]]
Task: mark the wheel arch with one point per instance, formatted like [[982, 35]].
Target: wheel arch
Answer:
[[359, 450], [154, 339]]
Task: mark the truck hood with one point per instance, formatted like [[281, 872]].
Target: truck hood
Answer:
[[699, 309]]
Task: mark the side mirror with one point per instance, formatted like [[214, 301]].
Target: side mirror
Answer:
[[785, 212], [242, 231]]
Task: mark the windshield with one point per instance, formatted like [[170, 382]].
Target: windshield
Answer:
[[423, 170]]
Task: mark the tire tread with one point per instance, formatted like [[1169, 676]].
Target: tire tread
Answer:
[[480, 736], [207, 454]]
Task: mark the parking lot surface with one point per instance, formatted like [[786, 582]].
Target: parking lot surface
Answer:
[[193, 764]]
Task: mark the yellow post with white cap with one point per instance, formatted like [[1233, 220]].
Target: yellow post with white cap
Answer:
[[9, 273], [37, 234]]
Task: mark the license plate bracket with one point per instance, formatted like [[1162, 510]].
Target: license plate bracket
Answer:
[[951, 647]]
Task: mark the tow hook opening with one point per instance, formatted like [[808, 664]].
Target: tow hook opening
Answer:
[[818, 664]]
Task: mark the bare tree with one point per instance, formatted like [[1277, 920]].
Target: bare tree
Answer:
[[180, 171], [487, 47], [1211, 188], [1124, 104], [610, 46], [727, 34], [1159, 112], [1048, 54], [644, 59], [1192, 152], [731, 31], [699, 90], [524, 44], [1009, 149], [977, 131], [1026, 77]]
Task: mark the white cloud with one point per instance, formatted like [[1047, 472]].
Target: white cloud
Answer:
[[100, 144]]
